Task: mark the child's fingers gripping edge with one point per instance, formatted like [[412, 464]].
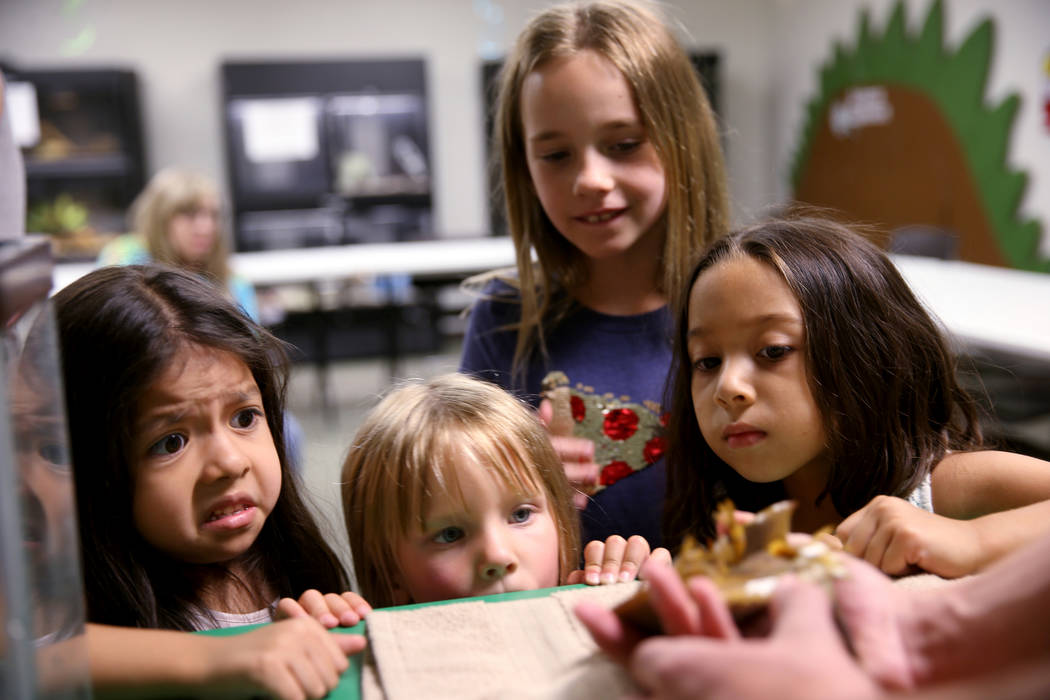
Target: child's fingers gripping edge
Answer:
[[613, 559]]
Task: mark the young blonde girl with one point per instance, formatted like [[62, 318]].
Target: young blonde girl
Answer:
[[805, 368], [189, 516], [613, 175], [451, 489]]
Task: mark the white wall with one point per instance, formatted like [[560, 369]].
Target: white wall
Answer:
[[770, 50], [177, 47], [806, 29]]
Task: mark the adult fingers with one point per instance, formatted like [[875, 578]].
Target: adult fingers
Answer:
[[677, 611], [678, 667], [611, 635], [867, 607], [801, 612], [715, 618]]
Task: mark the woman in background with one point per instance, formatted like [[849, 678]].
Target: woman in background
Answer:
[[176, 221]]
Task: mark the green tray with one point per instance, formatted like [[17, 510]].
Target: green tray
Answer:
[[349, 687]]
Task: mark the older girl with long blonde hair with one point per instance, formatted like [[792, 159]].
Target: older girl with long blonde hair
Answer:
[[614, 179]]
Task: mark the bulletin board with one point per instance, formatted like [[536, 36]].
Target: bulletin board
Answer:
[[901, 135]]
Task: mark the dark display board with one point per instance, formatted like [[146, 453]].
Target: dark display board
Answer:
[[327, 152]]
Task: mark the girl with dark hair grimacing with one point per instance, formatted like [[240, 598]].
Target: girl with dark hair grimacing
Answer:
[[189, 516]]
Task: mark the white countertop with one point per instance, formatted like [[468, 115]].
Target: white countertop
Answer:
[[981, 306]]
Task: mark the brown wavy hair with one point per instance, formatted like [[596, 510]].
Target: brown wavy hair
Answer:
[[677, 117], [880, 369]]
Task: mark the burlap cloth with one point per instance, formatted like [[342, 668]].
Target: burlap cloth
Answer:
[[520, 648], [533, 648]]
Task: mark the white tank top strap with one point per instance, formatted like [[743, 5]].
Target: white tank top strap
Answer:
[[922, 496]]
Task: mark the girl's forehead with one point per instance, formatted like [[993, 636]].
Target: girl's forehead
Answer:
[[197, 372], [741, 288], [453, 469]]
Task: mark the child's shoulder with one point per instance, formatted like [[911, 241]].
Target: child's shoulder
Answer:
[[495, 285]]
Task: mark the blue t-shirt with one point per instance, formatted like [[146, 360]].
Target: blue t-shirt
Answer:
[[616, 369]]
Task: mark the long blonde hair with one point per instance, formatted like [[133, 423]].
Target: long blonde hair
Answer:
[[410, 445], [677, 117], [170, 192]]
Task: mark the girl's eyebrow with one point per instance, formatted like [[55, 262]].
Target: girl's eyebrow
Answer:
[[613, 125], [175, 412], [762, 320]]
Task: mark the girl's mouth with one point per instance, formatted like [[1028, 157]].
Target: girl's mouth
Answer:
[[600, 217], [231, 517], [745, 439]]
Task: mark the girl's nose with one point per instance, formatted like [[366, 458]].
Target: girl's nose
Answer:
[[497, 558], [594, 176], [735, 388], [224, 459]]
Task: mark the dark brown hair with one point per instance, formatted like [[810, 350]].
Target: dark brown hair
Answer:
[[119, 329], [879, 367]]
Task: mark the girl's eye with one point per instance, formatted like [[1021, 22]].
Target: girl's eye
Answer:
[[167, 445], [54, 453], [623, 147], [449, 535], [706, 364], [775, 352], [246, 418], [521, 515], [554, 156]]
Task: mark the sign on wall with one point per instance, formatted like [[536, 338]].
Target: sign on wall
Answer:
[[900, 135]]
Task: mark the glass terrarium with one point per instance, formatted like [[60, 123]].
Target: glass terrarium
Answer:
[[42, 645]]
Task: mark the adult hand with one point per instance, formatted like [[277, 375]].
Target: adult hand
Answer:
[[804, 657], [577, 456], [881, 621], [616, 560], [693, 608], [897, 537], [330, 609]]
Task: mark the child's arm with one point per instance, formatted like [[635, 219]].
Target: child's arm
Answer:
[[330, 609], [987, 505], [616, 560], [289, 659]]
